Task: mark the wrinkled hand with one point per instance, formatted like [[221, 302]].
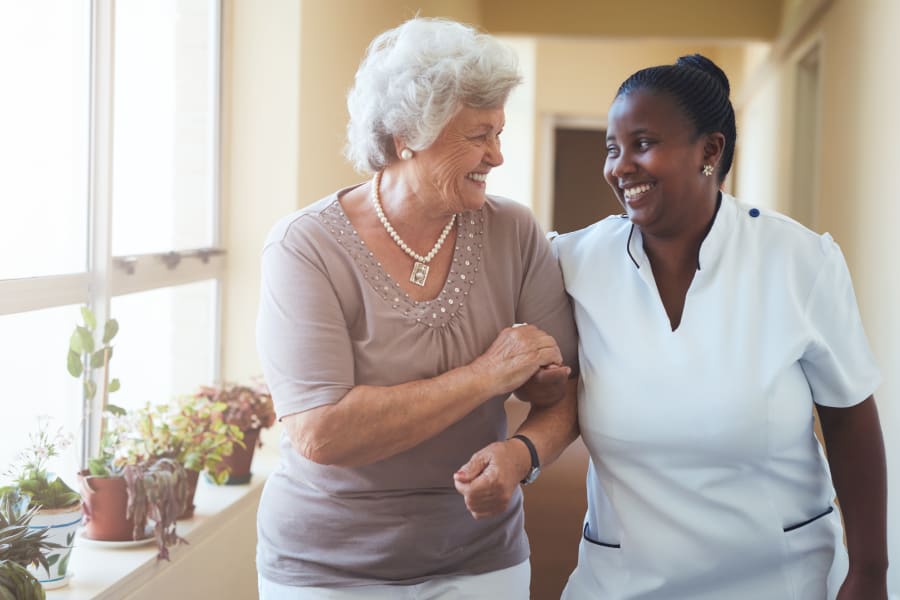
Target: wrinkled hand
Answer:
[[489, 479], [516, 355], [858, 586], [546, 387]]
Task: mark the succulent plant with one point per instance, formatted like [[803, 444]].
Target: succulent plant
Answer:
[[157, 491], [16, 583], [18, 543], [19, 548]]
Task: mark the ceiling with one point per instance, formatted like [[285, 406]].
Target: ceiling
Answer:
[[689, 19]]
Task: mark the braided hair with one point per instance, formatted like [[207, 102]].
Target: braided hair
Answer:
[[701, 90]]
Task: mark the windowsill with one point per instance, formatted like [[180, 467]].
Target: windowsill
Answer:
[[102, 572]]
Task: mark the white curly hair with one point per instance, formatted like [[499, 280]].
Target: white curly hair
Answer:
[[413, 80]]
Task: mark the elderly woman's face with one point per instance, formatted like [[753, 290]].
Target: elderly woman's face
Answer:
[[458, 162]]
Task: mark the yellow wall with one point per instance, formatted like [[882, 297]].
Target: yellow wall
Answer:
[[260, 146], [858, 159], [709, 19], [511, 179]]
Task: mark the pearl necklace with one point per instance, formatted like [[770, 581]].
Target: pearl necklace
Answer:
[[420, 269]]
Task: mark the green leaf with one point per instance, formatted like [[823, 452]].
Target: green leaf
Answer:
[[73, 363], [115, 410], [88, 316], [87, 340], [113, 386], [64, 563], [97, 357], [98, 468], [51, 560], [110, 330], [90, 388], [75, 342]]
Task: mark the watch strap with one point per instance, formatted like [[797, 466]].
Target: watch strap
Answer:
[[535, 461]]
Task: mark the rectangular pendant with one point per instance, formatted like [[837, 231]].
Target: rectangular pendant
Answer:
[[419, 274]]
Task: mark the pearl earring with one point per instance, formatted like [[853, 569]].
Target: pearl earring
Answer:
[[708, 170], [406, 154]]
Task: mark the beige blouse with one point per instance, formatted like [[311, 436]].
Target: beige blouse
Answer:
[[330, 318]]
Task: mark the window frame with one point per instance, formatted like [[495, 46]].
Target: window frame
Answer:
[[108, 276]]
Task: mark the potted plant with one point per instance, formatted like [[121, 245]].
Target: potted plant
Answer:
[[130, 485], [21, 547], [192, 431], [124, 486], [250, 409], [56, 506]]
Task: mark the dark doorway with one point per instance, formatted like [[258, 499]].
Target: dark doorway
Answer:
[[581, 195]]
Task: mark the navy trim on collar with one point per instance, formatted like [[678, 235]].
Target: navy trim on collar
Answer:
[[705, 235], [711, 223], [628, 247]]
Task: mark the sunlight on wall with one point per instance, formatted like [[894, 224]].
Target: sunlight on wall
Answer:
[[511, 180]]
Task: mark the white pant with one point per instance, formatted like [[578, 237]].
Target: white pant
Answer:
[[513, 583]]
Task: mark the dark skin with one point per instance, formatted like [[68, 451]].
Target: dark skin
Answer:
[[651, 143], [655, 163], [856, 458]]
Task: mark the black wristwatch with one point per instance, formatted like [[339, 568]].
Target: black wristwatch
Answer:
[[535, 463]]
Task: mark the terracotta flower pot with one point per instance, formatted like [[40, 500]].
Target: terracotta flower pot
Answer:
[[192, 477], [105, 504], [241, 459], [61, 524]]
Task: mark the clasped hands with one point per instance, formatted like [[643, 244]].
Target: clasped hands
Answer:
[[531, 361]]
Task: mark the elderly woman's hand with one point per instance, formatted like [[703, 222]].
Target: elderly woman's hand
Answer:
[[516, 355], [488, 480]]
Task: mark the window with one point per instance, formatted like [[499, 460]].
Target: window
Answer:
[[109, 198], [43, 149]]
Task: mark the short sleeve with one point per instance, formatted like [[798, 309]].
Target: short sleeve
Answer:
[[838, 361], [543, 300], [301, 334]]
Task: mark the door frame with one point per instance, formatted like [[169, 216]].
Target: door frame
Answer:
[[543, 208]]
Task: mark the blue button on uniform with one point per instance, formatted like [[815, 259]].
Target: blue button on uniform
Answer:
[[754, 212]]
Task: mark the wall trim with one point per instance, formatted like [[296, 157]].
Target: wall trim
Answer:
[[792, 35]]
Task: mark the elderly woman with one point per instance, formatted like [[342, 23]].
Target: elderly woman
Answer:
[[396, 318]]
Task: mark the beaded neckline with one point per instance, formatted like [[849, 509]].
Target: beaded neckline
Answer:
[[453, 297]]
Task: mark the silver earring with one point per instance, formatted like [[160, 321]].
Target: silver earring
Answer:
[[708, 170], [406, 154]]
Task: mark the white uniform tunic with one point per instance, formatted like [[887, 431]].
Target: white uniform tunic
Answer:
[[706, 481]]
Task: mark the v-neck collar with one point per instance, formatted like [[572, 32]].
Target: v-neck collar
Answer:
[[710, 247]]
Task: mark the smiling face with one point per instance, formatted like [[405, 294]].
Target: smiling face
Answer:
[[454, 168], [654, 164]]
